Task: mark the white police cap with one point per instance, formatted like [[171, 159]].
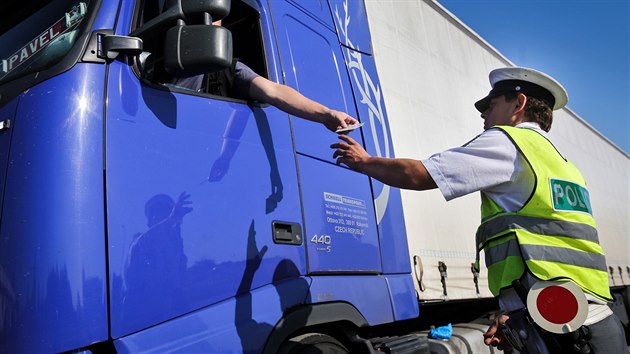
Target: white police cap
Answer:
[[531, 82]]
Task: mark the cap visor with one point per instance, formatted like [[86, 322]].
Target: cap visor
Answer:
[[483, 104]]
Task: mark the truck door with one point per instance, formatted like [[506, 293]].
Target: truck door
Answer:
[[341, 231], [195, 184]]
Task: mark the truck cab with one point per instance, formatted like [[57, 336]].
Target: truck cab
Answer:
[[141, 215]]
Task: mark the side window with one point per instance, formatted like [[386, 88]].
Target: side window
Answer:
[[243, 22]]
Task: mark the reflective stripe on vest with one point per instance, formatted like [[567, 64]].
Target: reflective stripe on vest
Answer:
[[536, 225], [564, 255], [553, 235], [528, 252], [501, 251]]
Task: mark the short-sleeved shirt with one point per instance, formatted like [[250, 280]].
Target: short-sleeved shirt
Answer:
[[239, 78], [490, 163]]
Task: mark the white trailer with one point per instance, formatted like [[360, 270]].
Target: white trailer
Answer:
[[432, 69]]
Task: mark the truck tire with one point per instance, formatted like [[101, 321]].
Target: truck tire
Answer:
[[313, 343]]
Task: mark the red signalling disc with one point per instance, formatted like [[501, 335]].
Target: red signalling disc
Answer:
[[558, 307], [557, 304]]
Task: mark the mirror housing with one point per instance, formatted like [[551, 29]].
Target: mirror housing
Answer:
[[190, 11], [192, 45], [217, 9], [197, 49]]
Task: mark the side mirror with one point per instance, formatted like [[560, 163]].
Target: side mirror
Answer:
[[217, 9], [199, 11], [197, 49]]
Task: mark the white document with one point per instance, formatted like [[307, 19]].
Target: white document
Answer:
[[349, 128]]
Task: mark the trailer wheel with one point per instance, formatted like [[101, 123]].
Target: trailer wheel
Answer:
[[313, 343]]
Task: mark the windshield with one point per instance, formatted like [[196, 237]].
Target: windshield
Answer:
[[39, 36]]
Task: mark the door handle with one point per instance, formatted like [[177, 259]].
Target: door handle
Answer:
[[286, 232]]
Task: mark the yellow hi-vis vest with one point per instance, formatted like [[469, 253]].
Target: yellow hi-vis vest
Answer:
[[553, 236]]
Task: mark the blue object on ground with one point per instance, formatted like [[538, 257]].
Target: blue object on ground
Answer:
[[443, 332]]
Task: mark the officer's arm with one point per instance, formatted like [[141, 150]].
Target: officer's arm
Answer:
[[294, 103], [401, 173]]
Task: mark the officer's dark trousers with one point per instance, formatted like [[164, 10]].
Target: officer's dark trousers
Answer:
[[607, 337]]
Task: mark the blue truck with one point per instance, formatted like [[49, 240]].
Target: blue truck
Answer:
[[139, 216]]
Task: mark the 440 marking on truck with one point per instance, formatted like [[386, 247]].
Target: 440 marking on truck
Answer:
[[322, 242]]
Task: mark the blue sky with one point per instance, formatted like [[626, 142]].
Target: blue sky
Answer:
[[584, 44]]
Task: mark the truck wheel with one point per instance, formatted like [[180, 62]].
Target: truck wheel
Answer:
[[313, 343]]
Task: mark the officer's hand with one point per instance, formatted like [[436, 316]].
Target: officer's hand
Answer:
[[494, 336], [337, 120], [349, 152]]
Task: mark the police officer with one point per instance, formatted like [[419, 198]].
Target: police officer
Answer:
[[537, 222]]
